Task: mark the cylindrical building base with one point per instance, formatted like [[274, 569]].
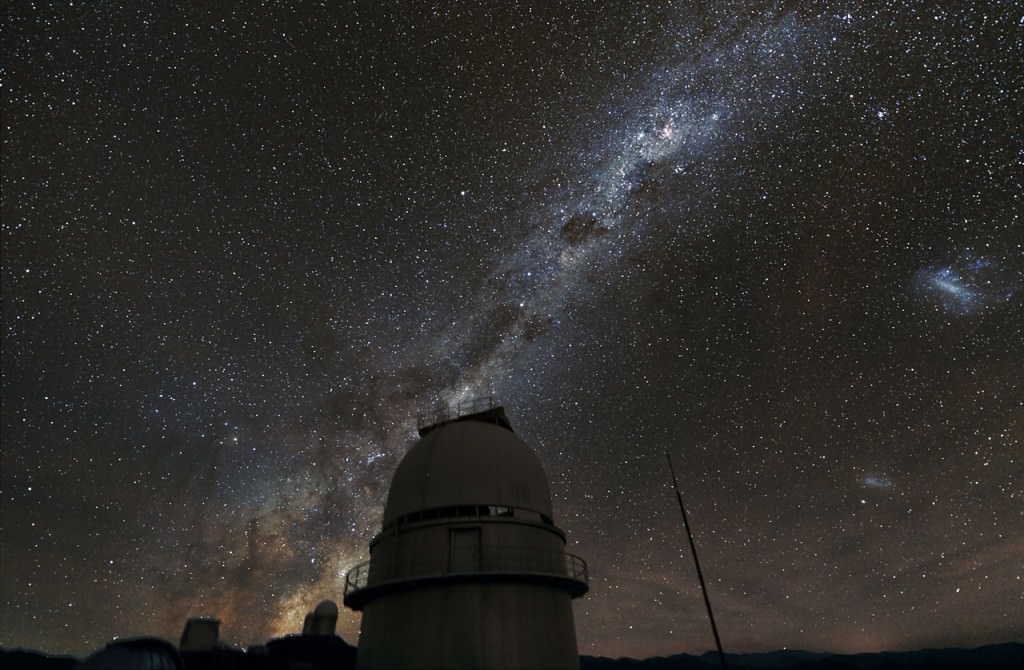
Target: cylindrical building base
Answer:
[[470, 625]]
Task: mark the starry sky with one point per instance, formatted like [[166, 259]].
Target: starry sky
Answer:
[[246, 244]]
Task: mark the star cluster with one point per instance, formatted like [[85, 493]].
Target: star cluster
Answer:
[[244, 246]]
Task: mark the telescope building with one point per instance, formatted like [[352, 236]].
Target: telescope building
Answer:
[[469, 569]]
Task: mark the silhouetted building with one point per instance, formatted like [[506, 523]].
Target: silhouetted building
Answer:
[[322, 620], [202, 649], [317, 648], [200, 635], [310, 652], [469, 569]]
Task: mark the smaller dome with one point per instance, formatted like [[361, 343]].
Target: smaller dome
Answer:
[[468, 462], [326, 608], [323, 620]]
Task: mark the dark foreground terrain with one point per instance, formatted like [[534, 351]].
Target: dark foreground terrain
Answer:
[[993, 657]]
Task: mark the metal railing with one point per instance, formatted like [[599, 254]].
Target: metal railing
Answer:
[[452, 412], [559, 566]]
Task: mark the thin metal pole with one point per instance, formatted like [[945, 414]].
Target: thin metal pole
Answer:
[[696, 562]]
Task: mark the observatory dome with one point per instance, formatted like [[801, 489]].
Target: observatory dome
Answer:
[[468, 463], [143, 653]]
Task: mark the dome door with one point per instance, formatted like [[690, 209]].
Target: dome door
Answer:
[[464, 550]]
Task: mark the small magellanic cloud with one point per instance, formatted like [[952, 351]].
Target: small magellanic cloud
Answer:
[[876, 482]]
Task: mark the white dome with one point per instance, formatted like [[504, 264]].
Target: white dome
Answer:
[[326, 609], [468, 462]]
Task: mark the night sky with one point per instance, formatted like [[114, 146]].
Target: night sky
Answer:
[[244, 246]]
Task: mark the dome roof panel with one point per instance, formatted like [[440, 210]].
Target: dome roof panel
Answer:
[[468, 463]]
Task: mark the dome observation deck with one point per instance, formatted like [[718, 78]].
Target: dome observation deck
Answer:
[[559, 569]]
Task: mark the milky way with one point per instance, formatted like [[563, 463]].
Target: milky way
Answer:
[[246, 247]]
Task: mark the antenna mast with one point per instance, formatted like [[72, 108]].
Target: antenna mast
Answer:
[[696, 562]]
